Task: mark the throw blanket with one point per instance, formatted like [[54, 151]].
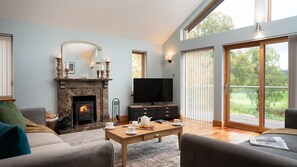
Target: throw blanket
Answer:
[[286, 131], [36, 128], [50, 115]]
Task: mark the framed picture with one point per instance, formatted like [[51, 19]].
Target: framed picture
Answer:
[[71, 67]]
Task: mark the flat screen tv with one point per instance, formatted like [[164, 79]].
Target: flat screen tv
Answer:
[[151, 90]]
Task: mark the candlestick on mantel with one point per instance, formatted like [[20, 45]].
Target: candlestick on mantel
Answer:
[[107, 60], [58, 56], [59, 68], [98, 66], [107, 69], [98, 71], [102, 74], [66, 65], [66, 73]]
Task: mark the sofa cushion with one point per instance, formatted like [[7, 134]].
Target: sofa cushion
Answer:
[[99, 153], [50, 148], [10, 114], [40, 139], [13, 141]]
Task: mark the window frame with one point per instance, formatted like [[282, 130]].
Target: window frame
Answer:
[[269, 12], [143, 60], [143, 65]]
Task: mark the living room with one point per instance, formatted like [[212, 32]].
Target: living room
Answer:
[[39, 31]]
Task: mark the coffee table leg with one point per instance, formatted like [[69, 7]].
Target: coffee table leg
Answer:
[[160, 139], [106, 138], [179, 137], [124, 154]]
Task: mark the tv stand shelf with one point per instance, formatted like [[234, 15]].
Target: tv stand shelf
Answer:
[[164, 111]]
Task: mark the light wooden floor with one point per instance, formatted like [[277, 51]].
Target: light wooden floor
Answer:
[[219, 133]]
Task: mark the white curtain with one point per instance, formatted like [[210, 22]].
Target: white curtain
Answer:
[[5, 66], [292, 71], [199, 85]]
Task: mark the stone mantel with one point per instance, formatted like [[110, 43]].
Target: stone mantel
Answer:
[[84, 79], [68, 88], [104, 80]]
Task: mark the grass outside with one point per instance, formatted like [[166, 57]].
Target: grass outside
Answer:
[[241, 104]]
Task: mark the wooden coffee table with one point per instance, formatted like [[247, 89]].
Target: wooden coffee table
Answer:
[[119, 135]]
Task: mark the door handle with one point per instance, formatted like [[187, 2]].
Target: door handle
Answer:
[[226, 86]]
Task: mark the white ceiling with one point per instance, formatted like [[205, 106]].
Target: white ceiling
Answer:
[[146, 20]]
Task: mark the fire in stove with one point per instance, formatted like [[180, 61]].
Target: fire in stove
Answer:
[[84, 109]]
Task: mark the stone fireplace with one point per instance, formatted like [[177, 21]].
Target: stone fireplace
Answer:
[[83, 100]]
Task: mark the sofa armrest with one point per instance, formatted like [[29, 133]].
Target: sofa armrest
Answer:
[[200, 152], [95, 154], [37, 115], [291, 118]]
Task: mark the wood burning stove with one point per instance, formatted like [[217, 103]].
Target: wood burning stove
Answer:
[[84, 109]]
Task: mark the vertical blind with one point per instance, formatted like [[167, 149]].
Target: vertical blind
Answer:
[[199, 85], [5, 66], [292, 75]]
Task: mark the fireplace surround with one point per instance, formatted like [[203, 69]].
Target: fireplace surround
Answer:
[[69, 89]]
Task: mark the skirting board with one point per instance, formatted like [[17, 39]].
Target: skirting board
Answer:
[[217, 123], [7, 100], [123, 119]]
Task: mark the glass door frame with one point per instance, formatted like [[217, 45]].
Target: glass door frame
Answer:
[[261, 44]]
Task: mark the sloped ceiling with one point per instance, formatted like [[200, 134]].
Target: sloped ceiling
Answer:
[[146, 20]]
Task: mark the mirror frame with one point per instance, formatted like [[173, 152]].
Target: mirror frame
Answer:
[[70, 42]]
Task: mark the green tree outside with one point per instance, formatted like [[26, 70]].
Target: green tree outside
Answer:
[[212, 24]]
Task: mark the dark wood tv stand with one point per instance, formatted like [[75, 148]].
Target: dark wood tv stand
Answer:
[[162, 111]]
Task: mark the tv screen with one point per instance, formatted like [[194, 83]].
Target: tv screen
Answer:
[[153, 90]]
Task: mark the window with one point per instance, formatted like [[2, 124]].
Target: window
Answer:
[[281, 9], [225, 15], [6, 89], [138, 65], [229, 15]]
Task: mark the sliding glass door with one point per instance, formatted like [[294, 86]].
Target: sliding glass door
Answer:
[[244, 85], [256, 84], [276, 84]]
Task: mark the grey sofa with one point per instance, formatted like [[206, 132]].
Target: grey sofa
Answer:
[[48, 150], [204, 152]]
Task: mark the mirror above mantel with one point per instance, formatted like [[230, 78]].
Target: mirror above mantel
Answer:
[[82, 58]]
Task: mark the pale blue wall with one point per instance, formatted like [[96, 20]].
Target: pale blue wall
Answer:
[[35, 46]]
